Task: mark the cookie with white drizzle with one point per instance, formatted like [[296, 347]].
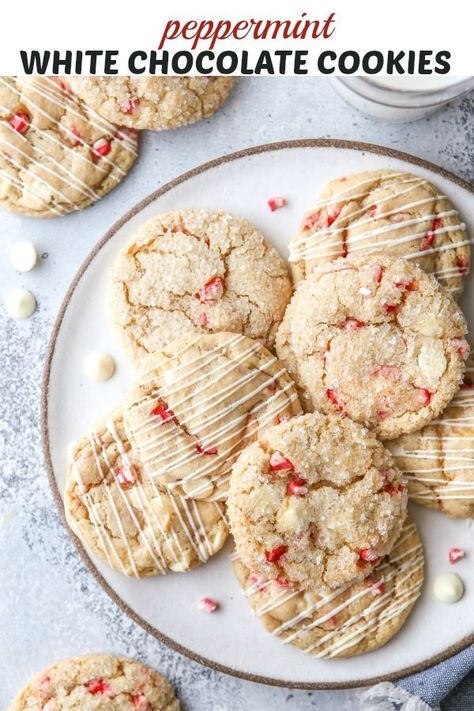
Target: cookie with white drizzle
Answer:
[[375, 338], [196, 271], [198, 402], [438, 461], [56, 154], [154, 103], [116, 508], [350, 620], [97, 682], [316, 501], [385, 211]]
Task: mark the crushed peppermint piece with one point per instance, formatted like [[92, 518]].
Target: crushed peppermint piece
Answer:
[[101, 148], [126, 474], [100, 687], [456, 554], [207, 604], [274, 555], [275, 203], [162, 411], [278, 462], [211, 292], [20, 123], [376, 588], [297, 487]]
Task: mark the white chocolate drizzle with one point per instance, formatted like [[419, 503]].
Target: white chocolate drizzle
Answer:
[[377, 611], [452, 444], [326, 242], [165, 548], [156, 441], [49, 90]]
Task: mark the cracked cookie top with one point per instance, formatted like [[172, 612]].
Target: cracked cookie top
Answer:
[[316, 501], [439, 459], [388, 211], [56, 154], [375, 338], [198, 402], [153, 102], [115, 507], [354, 619], [97, 682], [196, 271]]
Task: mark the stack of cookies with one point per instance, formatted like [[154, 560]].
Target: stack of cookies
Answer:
[[64, 143], [302, 419], [146, 488]]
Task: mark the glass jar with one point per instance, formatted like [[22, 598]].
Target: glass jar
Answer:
[[401, 98]]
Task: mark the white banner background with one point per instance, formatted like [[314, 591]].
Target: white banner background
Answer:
[[138, 25]]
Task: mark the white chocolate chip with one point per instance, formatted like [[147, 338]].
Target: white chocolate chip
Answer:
[[219, 538], [198, 488], [98, 366], [448, 587], [19, 303], [265, 499], [364, 291], [292, 516], [428, 325], [23, 256], [431, 360]]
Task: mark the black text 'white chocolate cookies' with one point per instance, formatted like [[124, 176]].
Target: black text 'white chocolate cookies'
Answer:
[[316, 501], [386, 211], [196, 271], [97, 682], [154, 103], [56, 154], [375, 338]]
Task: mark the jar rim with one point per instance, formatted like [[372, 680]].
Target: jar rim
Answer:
[[367, 88]]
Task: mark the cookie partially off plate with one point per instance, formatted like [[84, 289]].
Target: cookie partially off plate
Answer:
[[231, 639]]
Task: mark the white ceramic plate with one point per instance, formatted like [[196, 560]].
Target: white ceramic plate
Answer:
[[232, 640]]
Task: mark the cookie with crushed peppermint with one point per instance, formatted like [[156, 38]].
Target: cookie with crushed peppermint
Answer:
[[388, 211], [152, 102], [376, 338], [196, 271], [438, 461], [351, 620], [97, 682], [116, 508], [198, 402], [315, 502], [56, 154]]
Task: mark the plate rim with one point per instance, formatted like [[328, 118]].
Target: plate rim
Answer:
[[44, 405]]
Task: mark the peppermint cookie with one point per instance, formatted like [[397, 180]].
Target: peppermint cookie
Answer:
[[56, 154], [316, 501], [97, 682], [385, 211], [196, 405], [377, 339], [153, 102], [439, 459], [117, 510], [196, 271], [351, 620]]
